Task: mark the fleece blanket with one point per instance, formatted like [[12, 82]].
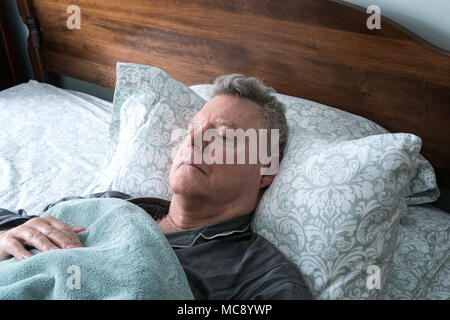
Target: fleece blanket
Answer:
[[125, 256]]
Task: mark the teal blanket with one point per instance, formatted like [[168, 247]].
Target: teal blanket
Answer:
[[125, 256]]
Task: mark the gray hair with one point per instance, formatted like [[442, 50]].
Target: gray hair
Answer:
[[254, 89]]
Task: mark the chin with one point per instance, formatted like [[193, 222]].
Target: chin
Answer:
[[184, 185]]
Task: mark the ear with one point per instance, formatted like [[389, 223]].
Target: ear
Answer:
[[267, 179]]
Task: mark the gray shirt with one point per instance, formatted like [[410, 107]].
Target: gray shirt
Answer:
[[225, 260]]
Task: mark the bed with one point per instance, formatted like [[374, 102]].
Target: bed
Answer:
[[53, 141]]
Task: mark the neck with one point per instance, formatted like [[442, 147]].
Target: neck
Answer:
[[185, 213]]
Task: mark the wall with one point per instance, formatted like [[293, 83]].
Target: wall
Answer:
[[429, 19]]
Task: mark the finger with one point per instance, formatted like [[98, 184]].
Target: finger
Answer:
[[65, 228], [79, 229], [16, 249], [57, 236], [33, 238]]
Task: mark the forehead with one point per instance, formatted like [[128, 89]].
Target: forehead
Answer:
[[232, 111]]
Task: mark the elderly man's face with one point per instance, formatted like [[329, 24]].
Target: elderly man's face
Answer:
[[219, 182]]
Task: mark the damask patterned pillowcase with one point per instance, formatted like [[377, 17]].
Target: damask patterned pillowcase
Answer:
[[334, 210], [312, 119], [151, 113], [421, 263], [134, 80]]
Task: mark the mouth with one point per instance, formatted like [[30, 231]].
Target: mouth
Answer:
[[194, 165]]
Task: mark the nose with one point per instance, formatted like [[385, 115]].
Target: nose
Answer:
[[196, 142], [196, 136]]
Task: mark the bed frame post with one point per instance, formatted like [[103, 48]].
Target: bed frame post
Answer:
[[34, 39]]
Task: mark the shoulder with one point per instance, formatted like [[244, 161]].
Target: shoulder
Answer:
[[279, 278]]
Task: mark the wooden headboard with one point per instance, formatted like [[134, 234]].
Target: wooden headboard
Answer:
[[317, 50]]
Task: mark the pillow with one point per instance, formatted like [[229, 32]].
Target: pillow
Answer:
[[312, 119], [150, 109], [334, 210], [135, 79], [421, 262]]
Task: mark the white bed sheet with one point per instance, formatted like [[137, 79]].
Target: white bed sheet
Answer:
[[52, 142]]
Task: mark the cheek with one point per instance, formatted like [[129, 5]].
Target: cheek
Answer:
[[223, 152], [172, 177], [182, 150]]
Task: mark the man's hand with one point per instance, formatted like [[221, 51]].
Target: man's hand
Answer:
[[43, 233]]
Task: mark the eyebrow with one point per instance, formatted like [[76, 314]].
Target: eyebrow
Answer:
[[221, 122], [224, 122]]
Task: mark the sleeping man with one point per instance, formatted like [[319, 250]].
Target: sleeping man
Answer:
[[208, 220]]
